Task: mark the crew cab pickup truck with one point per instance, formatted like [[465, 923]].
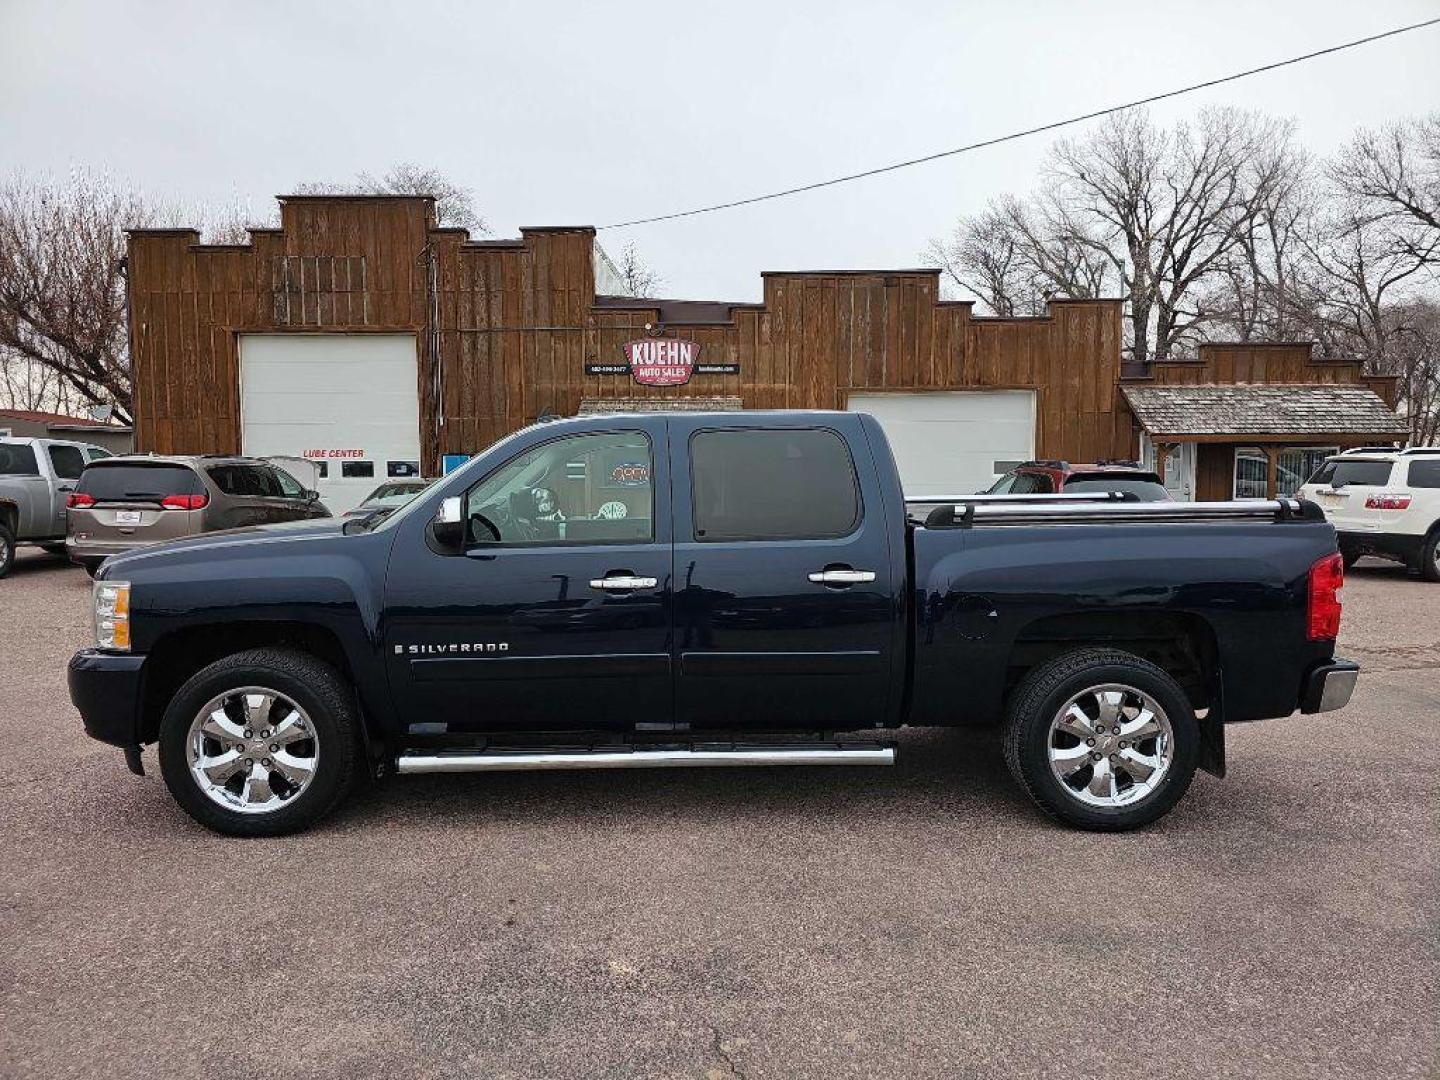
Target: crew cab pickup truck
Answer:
[[697, 589], [36, 475]]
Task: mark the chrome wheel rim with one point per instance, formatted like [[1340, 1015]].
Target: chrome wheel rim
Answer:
[[252, 750], [1110, 746]]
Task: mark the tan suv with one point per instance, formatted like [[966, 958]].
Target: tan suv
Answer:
[[123, 503]]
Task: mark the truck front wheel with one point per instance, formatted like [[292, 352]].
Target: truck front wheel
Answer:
[[261, 743], [1101, 739]]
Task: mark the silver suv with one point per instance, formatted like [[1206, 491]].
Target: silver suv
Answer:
[[127, 502]]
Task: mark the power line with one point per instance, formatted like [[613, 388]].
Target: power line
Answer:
[[1023, 134]]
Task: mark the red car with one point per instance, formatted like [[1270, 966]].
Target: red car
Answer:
[[1049, 477]]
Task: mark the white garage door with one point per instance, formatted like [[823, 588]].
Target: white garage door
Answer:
[[954, 443], [348, 402]]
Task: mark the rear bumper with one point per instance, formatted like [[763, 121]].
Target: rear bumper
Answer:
[[1329, 686], [95, 550], [106, 689], [1403, 546]]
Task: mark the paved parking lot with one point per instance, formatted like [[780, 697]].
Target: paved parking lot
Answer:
[[915, 921]]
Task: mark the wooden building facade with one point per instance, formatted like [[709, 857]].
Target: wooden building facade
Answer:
[[509, 330]]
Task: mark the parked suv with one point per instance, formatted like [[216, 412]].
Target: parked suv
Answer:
[[127, 502], [1385, 503], [36, 475], [1050, 477]]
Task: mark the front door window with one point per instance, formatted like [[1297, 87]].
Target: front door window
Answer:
[[586, 489]]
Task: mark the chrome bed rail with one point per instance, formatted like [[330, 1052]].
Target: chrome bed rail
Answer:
[[969, 514]]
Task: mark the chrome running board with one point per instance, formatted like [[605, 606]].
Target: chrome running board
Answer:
[[704, 757]]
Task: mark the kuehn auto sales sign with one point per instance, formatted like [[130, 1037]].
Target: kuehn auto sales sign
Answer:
[[661, 362]]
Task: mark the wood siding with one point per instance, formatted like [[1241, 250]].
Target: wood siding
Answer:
[[1268, 362], [505, 329]]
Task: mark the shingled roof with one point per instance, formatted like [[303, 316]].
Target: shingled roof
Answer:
[[1249, 410], [591, 406]]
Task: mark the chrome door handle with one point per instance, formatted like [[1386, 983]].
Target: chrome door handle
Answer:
[[842, 577], [624, 583]]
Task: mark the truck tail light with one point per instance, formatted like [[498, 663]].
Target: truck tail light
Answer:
[[78, 500], [184, 502], [1327, 575], [1386, 501]]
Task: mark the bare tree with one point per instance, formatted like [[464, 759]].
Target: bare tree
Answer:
[[636, 275], [454, 203], [25, 384], [62, 298], [227, 223], [1152, 214], [1393, 176], [1014, 256]]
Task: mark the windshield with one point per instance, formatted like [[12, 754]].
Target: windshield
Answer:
[[1142, 489], [1338, 472], [408, 489]]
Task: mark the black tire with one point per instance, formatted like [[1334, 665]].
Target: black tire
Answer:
[[1349, 558], [7, 550], [91, 565], [313, 685], [1038, 700], [1430, 556]]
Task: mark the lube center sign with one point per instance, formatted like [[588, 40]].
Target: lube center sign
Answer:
[[662, 362]]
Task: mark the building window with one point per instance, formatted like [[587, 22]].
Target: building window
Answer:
[[1252, 473], [1297, 464], [1293, 466]]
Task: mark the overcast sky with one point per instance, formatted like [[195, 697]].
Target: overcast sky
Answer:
[[596, 113]]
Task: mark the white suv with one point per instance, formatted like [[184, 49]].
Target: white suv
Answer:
[[1383, 502]]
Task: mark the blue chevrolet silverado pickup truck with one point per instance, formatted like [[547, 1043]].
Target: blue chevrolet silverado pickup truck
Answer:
[[698, 589]]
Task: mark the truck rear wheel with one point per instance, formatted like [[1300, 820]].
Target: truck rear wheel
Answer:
[[1101, 739], [7, 549], [261, 743]]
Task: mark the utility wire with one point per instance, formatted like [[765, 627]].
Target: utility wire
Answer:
[[1029, 131]]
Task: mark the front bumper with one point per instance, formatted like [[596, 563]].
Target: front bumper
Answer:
[[107, 690], [1329, 686]]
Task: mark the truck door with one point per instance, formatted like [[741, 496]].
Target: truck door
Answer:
[[67, 462], [786, 604], [557, 614]]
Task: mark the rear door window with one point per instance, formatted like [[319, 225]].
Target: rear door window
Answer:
[[1425, 474], [18, 459], [245, 481], [137, 483], [1341, 473], [773, 485], [67, 461]]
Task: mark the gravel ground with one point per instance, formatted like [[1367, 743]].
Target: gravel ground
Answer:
[[915, 921]]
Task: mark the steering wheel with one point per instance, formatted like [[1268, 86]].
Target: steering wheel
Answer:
[[497, 520], [477, 518]]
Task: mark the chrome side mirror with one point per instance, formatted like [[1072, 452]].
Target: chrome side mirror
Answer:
[[447, 527]]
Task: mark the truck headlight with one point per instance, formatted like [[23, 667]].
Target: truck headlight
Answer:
[[112, 615]]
